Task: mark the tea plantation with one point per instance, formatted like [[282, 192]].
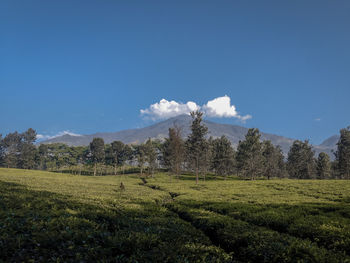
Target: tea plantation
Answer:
[[51, 217]]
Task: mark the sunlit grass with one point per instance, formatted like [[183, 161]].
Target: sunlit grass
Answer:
[[164, 219]]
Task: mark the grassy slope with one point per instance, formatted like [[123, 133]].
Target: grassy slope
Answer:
[[54, 217]]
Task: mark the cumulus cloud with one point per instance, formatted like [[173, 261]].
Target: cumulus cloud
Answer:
[[41, 137], [219, 108], [166, 109]]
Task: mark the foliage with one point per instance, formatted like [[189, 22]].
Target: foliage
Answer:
[[97, 151], [273, 162], [196, 145], [173, 151], [2, 151], [117, 153], [323, 166], [140, 153], [223, 155], [27, 155], [249, 155], [253, 159], [12, 145], [343, 153], [301, 163], [151, 156]]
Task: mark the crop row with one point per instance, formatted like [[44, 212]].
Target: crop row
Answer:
[[251, 243], [327, 225], [45, 227]]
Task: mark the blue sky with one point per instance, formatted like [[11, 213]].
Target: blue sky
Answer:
[[89, 66]]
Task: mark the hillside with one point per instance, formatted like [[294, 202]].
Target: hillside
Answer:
[[52, 217], [159, 130]]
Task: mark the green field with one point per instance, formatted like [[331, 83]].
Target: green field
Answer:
[[60, 217]]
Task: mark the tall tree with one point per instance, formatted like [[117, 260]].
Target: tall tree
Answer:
[[97, 150], [151, 156], [12, 144], [249, 155], [196, 144], [343, 153], [2, 151], [301, 162], [222, 156], [43, 155], [140, 154], [173, 150], [28, 152], [323, 166], [127, 155], [116, 154], [273, 162], [80, 152]]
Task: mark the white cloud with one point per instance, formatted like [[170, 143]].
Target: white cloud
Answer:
[[41, 137], [317, 119], [219, 107], [245, 117], [166, 109]]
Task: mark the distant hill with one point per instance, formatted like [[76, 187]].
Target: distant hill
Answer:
[[159, 130]]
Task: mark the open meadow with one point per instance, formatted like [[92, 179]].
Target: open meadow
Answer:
[[56, 217]]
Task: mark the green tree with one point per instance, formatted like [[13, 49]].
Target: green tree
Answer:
[[151, 156], [28, 152], [140, 154], [12, 144], [223, 156], [173, 151], [342, 154], [97, 151], [80, 152], [58, 156], [2, 151], [196, 144], [43, 156], [301, 162], [273, 160], [323, 166], [127, 155], [249, 157], [116, 154]]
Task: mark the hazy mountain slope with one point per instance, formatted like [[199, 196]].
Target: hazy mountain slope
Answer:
[[159, 130], [330, 142]]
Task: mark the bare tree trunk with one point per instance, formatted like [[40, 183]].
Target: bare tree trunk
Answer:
[[95, 169], [115, 169]]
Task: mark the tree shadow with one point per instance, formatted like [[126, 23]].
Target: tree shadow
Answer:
[[43, 226]]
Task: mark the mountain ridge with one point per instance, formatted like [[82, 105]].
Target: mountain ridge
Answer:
[[159, 130]]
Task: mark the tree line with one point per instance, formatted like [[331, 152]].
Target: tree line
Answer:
[[252, 158]]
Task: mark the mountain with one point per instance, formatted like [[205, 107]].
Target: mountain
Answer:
[[328, 146], [330, 142], [159, 130]]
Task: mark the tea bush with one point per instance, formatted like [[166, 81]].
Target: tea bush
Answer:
[[51, 217]]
